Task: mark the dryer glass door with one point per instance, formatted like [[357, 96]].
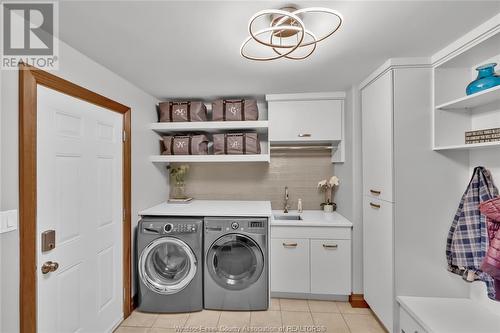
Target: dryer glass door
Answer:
[[235, 261], [167, 265]]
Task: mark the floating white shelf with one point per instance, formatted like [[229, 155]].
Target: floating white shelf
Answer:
[[473, 101], [261, 126], [469, 146], [209, 158]]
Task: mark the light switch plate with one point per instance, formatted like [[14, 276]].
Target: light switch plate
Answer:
[[8, 220]]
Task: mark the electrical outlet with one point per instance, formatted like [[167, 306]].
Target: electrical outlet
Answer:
[[8, 220]]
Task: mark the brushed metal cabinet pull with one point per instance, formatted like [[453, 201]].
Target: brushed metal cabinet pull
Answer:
[[376, 192], [374, 205], [304, 135], [289, 244], [330, 246]]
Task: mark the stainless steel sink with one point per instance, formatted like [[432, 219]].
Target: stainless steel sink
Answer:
[[288, 217]]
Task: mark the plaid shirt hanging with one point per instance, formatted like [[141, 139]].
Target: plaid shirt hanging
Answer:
[[467, 241]]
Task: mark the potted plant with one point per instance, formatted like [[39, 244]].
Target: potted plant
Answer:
[[178, 177], [327, 186]]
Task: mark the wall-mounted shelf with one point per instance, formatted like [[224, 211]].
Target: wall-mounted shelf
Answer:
[[209, 158], [261, 126], [469, 146], [476, 100], [454, 68], [212, 127]]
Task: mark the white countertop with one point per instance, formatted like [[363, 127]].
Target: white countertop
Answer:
[[450, 315], [313, 218], [211, 208]]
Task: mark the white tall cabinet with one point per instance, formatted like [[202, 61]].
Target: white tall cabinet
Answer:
[[404, 189], [415, 114], [378, 206]]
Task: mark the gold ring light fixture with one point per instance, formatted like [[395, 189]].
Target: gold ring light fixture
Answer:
[[287, 33]]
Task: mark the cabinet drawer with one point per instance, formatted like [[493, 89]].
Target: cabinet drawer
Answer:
[[303, 121], [407, 324], [378, 258], [290, 265], [331, 266], [278, 231]]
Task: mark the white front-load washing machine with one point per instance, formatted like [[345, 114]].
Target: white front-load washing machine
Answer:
[[236, 264], [170, 264]]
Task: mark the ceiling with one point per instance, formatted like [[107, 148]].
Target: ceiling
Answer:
[[191, 48]]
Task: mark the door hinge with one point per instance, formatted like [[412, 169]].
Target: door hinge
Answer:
[[124, 214], [124, 295], [124, 136]]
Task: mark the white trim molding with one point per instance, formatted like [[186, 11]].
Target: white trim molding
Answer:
[[393, 63], [467, 41], [306, 96]]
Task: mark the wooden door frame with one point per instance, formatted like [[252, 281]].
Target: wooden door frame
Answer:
[[29, 78]]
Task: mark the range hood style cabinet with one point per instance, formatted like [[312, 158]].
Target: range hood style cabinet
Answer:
[[307, 120]]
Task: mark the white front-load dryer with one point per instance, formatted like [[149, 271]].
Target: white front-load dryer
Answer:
[[170, 264]]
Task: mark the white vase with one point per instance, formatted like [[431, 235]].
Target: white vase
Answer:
[[328, 208]]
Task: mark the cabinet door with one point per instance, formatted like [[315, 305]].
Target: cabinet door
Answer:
[[305, 121], [290, 265], [331, 266], [407, 324], [377, 120], [378, 258]]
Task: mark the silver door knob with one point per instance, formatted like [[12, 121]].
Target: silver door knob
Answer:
[[49, 266]]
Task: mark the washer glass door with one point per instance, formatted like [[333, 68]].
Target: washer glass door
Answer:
[[167, 265], [235, 261]]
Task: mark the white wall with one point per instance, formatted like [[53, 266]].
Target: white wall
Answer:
[[147, 179], [349, 194], [1, 205], [427, 192]]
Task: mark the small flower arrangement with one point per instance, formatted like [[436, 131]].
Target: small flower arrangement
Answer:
[[179, 174], [327, 186]]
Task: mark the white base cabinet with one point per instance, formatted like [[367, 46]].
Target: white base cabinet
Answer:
[[378, 258], [407, 324], [290, 263], [311, 260], [330, 266]]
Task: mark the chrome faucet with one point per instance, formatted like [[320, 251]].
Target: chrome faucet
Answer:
[[286, 206]]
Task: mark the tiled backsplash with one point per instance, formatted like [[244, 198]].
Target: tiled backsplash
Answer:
[[262, 181]]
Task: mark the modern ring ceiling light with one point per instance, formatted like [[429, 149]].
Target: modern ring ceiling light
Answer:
[[286, 33]]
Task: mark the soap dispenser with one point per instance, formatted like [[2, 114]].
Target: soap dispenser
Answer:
[[299, 206]]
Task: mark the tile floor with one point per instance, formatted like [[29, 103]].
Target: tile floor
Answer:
[[310, 316]]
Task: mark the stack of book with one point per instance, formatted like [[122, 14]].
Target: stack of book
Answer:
[[480, 136]]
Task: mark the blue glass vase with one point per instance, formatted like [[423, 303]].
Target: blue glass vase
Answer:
[[486, 79]]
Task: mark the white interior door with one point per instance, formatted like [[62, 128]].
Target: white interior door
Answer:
[[79, 195]]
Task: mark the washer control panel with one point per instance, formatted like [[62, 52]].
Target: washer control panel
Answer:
[[179, 228]]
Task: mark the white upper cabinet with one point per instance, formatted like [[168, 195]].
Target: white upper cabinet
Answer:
[[306, 118], [377, 119]]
